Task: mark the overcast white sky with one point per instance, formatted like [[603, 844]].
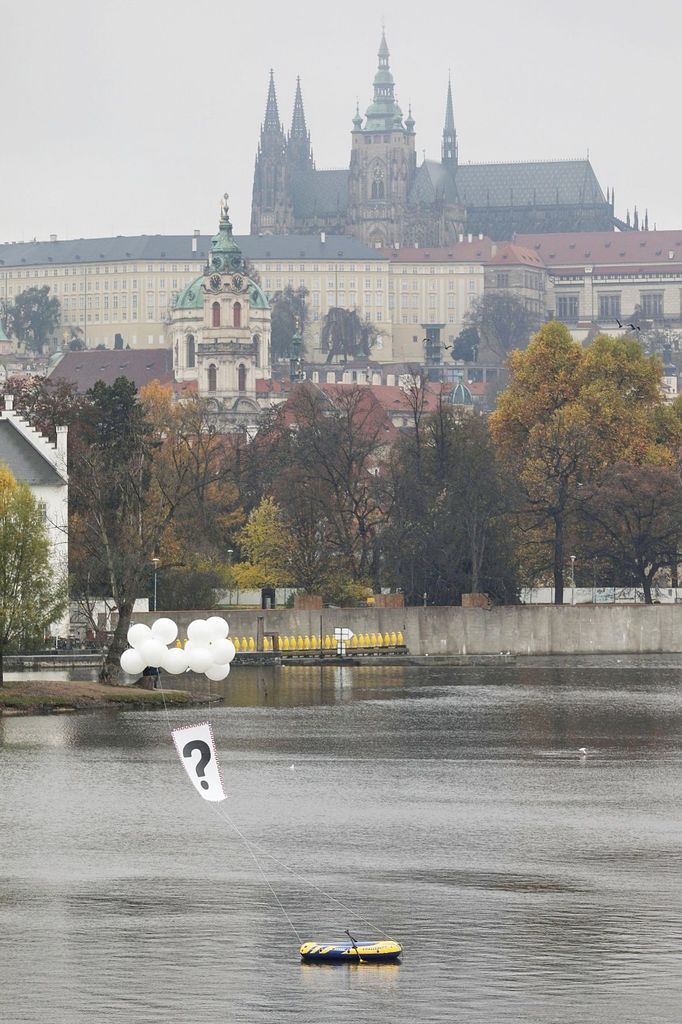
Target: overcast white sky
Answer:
[[134, 116]]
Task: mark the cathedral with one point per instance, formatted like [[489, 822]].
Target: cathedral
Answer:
[[384, 198]]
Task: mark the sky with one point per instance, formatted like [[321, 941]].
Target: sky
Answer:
[[135, 116]]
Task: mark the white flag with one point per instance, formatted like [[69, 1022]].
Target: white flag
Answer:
[[196, 750]]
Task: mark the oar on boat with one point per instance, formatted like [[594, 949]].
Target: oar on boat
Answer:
[[355, 946]]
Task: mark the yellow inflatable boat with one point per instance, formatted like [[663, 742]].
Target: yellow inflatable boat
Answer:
[[352, 952]]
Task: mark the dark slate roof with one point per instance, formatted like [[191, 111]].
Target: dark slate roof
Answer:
[[27, 465], [104, 250], [566, 182], [140, 366], [432, 181], [292, 247], [176, 247], [321, 193]]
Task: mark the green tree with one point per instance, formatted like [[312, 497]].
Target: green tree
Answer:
[[345, 334], [446, 532], [76, 339], [46, 403], [319, 458], [336, 447], [135, 462], [466, 345], [33, 317], [502, 322], [289, 314], [190, 585], [31, 594], [634, 522]]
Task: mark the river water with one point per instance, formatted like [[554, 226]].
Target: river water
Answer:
[[448, 807]]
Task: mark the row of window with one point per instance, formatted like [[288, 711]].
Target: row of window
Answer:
[[397, 140], [115, 317], [339, 289], [609, 305], [212, 374], [79, 269], [236, 314], [191, 351], [531, 281], [150, 285], [352, 268]]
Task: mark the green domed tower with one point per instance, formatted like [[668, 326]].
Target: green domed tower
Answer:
[[220, 328], [383, 163]]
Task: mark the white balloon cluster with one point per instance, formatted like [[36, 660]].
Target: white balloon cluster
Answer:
[[208, 649]]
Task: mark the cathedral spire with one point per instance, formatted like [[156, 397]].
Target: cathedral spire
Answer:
[[449, 145], [298, 128], [299, 153], [272, 122], [271, 201], [357, 120], [384, 114], [383, 53]]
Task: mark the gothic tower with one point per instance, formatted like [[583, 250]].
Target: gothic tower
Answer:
[[271, 206], [449, 144], [382, 164], [299, 152]]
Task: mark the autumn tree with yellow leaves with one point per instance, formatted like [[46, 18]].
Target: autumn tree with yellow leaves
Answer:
[[267, 544], [31, 593], [567, 415]]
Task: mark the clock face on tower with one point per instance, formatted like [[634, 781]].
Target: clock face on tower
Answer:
[[237, 281], [215, 282]]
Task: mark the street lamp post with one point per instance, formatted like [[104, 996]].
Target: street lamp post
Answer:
[[573, 579], [230, 580], [156, 561]]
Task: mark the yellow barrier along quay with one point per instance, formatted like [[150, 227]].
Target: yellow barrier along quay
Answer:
[[359, 649]]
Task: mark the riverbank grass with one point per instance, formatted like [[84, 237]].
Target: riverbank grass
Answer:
[[45, 696]]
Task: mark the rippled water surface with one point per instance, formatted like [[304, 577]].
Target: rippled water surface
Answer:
[[448, 807]]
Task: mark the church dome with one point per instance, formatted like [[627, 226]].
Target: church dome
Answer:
[[191, 297], [257, 297], [460, 395]]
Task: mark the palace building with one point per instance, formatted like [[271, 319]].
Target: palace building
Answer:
[[386, 199]]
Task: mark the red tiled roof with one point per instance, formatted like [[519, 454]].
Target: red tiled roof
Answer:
[[273, 387], [396, 399], [605, 248], [369, 408], [477, 250], [141, 366], [515, 254]]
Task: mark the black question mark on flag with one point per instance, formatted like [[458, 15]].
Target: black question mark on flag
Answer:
[[205, 752]]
